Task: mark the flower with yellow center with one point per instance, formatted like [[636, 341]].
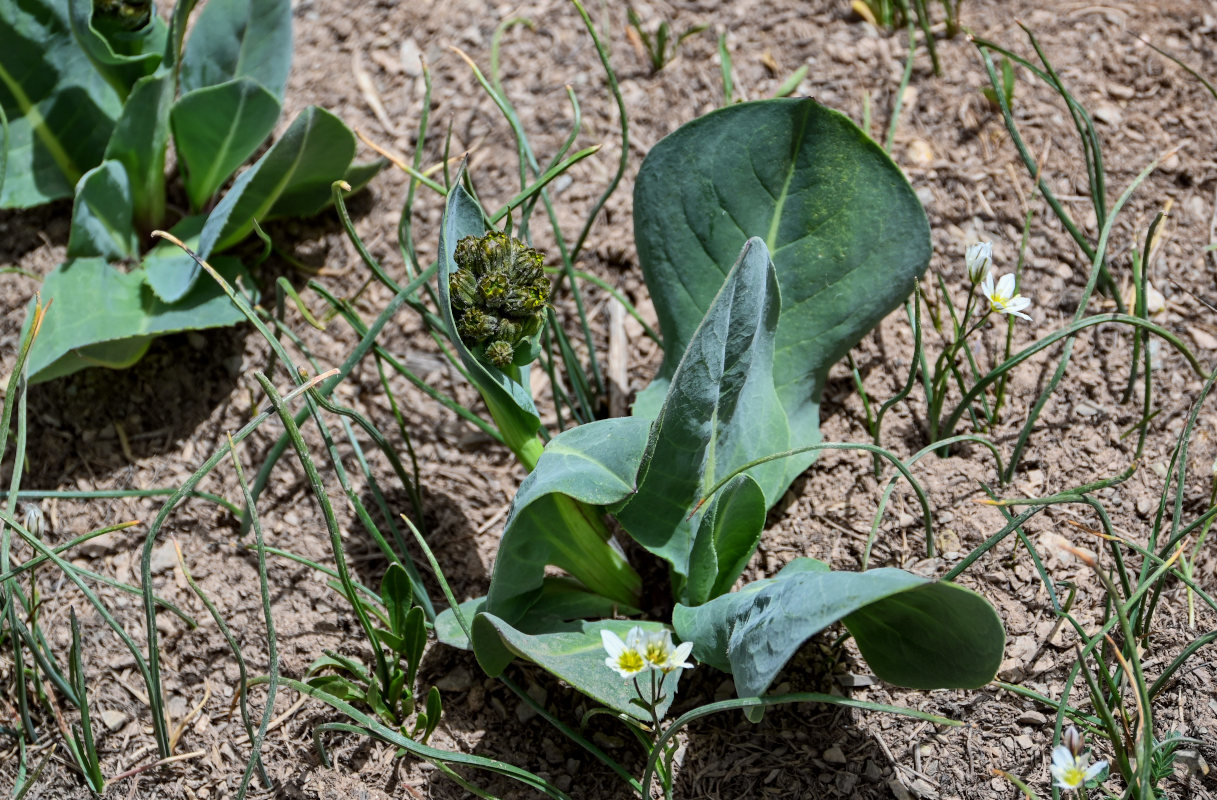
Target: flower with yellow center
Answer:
[[1070, 771], [625, 657], [662, 655], [1003, 298]]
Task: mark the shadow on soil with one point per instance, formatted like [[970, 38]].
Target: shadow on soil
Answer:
[[798, 750]]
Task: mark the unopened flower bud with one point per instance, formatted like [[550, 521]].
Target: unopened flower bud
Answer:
[[979, 259], [493, 289], [499, 295], [463, 288], [500, 353], [1072, 739]]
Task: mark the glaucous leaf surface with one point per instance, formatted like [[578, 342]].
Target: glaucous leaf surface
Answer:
[[720, 413], [102, 215], [131, 313], [912, 631], [575, 655], [233, 39], [842, 225], [60, 109], [216, 128]]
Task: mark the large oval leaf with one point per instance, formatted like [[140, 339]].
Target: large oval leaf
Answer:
[[216, 128], [96, 304], [575, 654], [240, 39], [913, 632], [60, 109], [843, 227]]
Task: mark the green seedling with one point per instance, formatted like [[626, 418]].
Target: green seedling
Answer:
[[1006, 88], [404, 637], [657, 44]]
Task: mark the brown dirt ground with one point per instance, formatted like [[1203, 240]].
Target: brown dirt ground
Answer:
[[152, 425]]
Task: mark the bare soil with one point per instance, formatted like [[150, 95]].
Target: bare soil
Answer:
[[151, 426]]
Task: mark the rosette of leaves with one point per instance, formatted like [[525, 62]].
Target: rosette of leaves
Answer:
[[93, 94], [499, 296], [773, 236]]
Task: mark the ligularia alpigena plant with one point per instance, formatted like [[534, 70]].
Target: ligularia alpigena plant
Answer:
[[765, 266]]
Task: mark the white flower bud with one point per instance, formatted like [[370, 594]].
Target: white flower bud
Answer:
[[979, 259]]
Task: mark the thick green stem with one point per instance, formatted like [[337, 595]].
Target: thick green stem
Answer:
[[584, 551], [524, 443]]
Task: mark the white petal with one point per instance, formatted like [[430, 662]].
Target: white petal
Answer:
[[986, 285], [634, 639], [1095, 769], [612, 644], [1005, 285], [1061, 757]]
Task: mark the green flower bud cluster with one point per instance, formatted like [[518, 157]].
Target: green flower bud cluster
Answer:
[[125, 15], [499, 295]]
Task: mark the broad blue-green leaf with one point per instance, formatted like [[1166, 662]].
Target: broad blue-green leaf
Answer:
[[315, 151], [845, 231], [726, 538], [557, 602], [239, 39], [448, 628], [95, 304], [912, 631], [510, 401], [593, 464], [168, 271], [60, 110], [576, 655], [102, 215], [139, 141], [123, 57], [720, 412], [216, 128], [310, 200]]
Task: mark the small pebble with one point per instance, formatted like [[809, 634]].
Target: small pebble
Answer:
[[113, 720], [1032, 718], [833, 755]]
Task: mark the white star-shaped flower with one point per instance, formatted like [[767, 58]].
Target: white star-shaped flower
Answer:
[[1070, 771], [1003, 298], [625, 657], [661, 654]]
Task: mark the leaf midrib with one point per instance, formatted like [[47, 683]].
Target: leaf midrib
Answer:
[[780, 202], [38, 123]]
